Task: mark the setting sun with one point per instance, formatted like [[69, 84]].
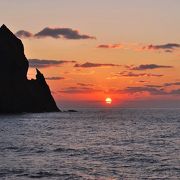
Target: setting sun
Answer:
[[108, 100]]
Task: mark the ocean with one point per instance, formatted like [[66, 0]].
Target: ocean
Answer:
[[91, 144]]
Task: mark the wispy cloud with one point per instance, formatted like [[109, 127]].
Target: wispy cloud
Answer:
[[169, 47], [41, 63], [93, 65], [153, 86], [172, 84], [132, 74], [139, 90], [111, 46], [147, 66], [56, 33], [151, 90], [85, 84], [24, 34], [79, 90], [143, 81], [175, 92], [54, 78], [163, 85]]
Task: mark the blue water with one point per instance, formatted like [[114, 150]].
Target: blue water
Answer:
[[100, 144]]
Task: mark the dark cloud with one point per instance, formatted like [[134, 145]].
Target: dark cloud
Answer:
[[91, 65], [163, 85], [24, 34], [153, 86], [66, 33], [56, 33], [175, 92], [79, 90], [41, 63], [132, 74], [169, 47], [151, 89], [171, 84], [54, 78], [141, 89], [147, 66], [164, 46]]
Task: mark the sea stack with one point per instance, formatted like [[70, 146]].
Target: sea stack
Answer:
[[17, 93]]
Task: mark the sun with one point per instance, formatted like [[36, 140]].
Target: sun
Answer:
[[108, 100]]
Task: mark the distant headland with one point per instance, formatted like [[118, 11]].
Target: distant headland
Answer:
[[17, 93]]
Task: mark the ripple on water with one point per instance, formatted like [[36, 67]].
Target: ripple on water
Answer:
[[93, 144]]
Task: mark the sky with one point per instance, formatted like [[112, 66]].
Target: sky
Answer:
[[88, 50]]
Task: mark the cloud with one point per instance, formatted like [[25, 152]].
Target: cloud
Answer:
[[24, 34], [56, 33], [111, 46], [41, 63], [169, 47], [92, 65], [153, 86], [140, 89], [147, 66], [132, 74], [163, 85], [151, 89], [171, 84], [66, 33], [54, 78], [79, 90], [142, 81], [175, 92], [84, 84]]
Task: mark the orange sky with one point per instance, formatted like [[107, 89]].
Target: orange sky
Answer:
[[128, 51]]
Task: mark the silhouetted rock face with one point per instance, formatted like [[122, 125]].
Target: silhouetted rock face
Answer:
[[17, 93]]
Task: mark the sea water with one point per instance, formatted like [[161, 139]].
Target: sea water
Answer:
[[102, 144]]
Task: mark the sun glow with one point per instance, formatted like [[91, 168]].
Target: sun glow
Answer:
[[108, 100]]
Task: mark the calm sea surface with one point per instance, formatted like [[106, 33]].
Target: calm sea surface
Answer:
[[102, 144]]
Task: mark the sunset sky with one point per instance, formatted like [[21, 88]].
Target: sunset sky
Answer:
[[88, 50]]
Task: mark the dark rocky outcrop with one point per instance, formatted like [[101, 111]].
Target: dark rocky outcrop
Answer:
[[17, 93]]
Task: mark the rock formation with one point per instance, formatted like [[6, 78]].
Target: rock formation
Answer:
[[17, 93]]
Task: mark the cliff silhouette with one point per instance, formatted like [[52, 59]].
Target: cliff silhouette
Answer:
[[17, 93]]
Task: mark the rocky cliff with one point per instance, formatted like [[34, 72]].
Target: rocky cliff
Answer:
[[17, 93]]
